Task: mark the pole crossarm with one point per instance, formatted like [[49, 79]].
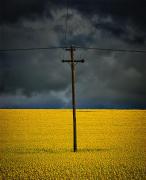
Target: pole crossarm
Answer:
[[76, 61], [72, 48]]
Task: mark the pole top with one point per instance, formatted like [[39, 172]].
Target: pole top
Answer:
[[71, 48]]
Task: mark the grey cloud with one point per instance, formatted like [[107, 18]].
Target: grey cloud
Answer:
[[33, 79], [122, 13], [43, 100], [110, 80]]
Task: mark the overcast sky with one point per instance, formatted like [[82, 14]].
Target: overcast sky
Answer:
[[38, 79]]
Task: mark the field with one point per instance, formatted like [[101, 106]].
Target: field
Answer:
[[37, 144]]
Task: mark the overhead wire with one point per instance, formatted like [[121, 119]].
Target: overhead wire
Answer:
[[66, 43], [66, 22], [30, 49], [113, 49], [66, 28], [77, 47]]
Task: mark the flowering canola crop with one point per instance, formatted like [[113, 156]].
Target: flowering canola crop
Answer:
[[37, 144]]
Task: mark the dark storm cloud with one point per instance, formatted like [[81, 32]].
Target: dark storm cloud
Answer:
[[12, 11], [113, 80], [120, 10], [31, 72], [39, 79], [38, 73], [124, 14]]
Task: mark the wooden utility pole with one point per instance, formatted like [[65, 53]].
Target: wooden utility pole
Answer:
[[73, 62]]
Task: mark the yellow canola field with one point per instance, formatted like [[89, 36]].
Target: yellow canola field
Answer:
[[37, 144]]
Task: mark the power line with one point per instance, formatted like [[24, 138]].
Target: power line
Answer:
[[113, 49], [30, 49], [66, 21], [77, 47]]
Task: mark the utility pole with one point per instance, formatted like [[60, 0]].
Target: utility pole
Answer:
[[73, 62]]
